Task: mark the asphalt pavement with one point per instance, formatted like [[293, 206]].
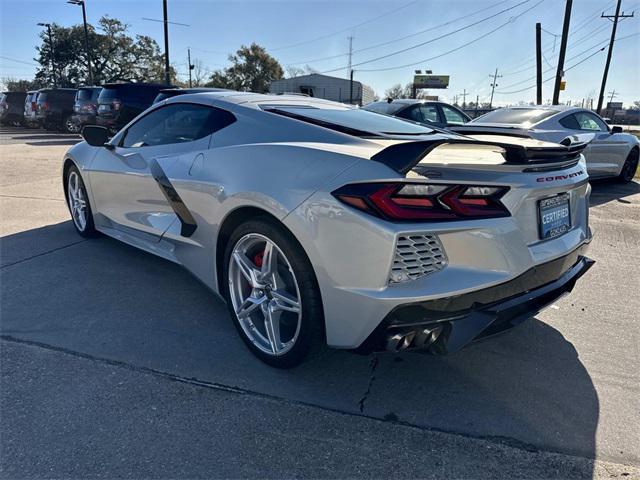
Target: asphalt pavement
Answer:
[[115, 363]]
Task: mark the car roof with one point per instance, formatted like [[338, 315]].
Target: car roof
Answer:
[[254, 100], [193, 90], [134, 84]]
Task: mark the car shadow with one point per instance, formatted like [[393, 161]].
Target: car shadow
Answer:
[[53, 143], [607, 190], [47, 136], [527, 388]]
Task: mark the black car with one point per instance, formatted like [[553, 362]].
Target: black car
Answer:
[[173, 92], [54, 108], [85, 107], [427, 112], [119, 103], [12, 108]]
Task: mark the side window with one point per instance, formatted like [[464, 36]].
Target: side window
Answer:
[[414, 113], [429, 113], [589, 121], [176, 123], [453, 117], [570, 122]]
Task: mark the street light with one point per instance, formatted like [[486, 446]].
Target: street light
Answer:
[[86, 36], [53, 65]]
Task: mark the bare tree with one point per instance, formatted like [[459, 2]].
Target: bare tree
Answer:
[[200, 73]]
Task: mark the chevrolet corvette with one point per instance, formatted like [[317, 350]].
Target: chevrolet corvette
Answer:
[[323, 224]]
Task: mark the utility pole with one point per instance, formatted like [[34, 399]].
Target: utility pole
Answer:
[[53, 52], [167, 71], [350, 55], [615, 17], [563, 51], [189, 64], [86, 36], [464, 98], [477, 100], [538, 64], [493, 86], [350, 86]]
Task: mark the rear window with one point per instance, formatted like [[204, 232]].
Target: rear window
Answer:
[[42, 97], [87, 94], [516, 116], [384, 107], [359, 120], [107, 95]]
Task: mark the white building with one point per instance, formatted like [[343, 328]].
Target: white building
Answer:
[[324, 86]]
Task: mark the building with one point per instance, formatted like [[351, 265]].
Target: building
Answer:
[[324, 86]]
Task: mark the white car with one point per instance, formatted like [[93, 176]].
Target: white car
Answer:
[[611, 153], [321, 224]]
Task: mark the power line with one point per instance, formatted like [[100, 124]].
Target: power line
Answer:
[[421, 44], [569, 68], [399, 39], [464, 45], [19, 61], [329, 35]]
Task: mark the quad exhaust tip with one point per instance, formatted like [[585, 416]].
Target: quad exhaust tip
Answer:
[[414, 339]]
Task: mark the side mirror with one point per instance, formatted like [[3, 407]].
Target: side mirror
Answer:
[[616, 129], [95, 136]]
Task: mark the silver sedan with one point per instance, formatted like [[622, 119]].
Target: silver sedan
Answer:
[[612, 153]]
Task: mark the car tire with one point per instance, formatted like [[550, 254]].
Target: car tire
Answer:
[[298, 332], [68, 125], [630, 166], [78, 203]]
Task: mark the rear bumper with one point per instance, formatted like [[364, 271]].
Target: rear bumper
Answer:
[[446, 325], [82, 119]]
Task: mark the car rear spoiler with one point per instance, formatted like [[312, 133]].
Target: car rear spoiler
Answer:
[[402, 157]]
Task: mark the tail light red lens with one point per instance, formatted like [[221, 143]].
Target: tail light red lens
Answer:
[[424, 202]]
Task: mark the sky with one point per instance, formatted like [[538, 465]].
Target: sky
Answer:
[[407, 34]]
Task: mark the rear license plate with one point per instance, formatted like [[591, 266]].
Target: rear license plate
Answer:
[[104, 108], [555, 216]]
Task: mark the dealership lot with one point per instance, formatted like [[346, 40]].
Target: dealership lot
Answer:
[[110, 350]]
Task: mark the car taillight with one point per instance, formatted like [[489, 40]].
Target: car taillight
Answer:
[[424, 202], [88, 108], [116, 104]]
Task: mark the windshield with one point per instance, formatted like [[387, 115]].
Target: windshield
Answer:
[[355, 119], [517, 116]]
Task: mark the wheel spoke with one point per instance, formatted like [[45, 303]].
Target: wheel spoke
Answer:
[[246, 267], [269, 261], [249, 305], [272, 326], [285, 301]]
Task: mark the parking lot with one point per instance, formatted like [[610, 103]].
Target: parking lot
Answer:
[[116, 363]]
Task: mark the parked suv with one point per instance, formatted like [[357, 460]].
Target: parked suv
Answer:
[[85, 107], [11, 108], [30, 109], [119, 103], [426, 112], [54, 108]]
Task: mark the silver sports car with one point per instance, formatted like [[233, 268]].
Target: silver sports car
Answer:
[[612, 153], [321, 224]]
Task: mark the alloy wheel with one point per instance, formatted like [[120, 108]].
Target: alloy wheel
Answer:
[[264, 294], [77, 196]]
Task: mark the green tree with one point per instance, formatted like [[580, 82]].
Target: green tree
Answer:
[[252, 70], [398, 91], [115, 55], [20, 85]]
